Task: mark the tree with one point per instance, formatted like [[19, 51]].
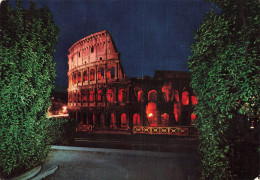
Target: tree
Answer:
[[225, 77], [27, 43]]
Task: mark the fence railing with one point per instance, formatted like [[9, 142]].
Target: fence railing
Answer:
[[178, 131]]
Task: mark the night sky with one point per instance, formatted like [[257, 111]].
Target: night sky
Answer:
[[149, 34]]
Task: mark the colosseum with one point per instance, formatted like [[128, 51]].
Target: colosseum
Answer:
[[102, 98]]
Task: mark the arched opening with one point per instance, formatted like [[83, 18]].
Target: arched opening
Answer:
[[124, 122], [112, 121], [192, 118], [176, 96], [194, 100], [136, 120], [100, 73], [84, 96], [152, 96], [79, 97], [79, 77], [110, 96], [121, 95], [165, 92], [165, 119], [85, 76], [99, 95], [140, 96], [75, 97], [152, 114], [91, 96], [75, 78], [93, 119], [102, 120], [176, 111], [185, 98], [92, 75], [112, 73]]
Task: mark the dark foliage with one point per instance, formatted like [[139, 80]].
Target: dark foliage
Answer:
[[225, 77], [27, 43]]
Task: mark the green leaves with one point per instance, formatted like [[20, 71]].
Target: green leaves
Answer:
[[27, 79], [225, 77]]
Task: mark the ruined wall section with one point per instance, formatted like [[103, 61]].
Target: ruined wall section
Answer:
[[94, 59]]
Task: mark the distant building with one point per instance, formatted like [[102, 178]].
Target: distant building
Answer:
[[101, 97]]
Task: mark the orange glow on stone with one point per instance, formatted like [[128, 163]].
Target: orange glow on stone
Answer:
[[110, 96], [193, 117], [176, 112], [176, 96], [84, 98], [140, 96], [136, 120], [185, 98], [91, 96], [121, 95], [123, 120], [112, 120]]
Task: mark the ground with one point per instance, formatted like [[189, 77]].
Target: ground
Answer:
[[112, 164]]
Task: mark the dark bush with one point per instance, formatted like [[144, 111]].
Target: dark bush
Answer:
[[27, 71], [60, 131]]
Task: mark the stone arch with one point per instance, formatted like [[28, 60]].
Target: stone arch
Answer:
[[192, 118], [176, 111], [79, 77], [112, 120], [100, 95], [152, 96], [79, 97], [75, 78], [84, 96], [110, 96], [165, 119], [124, 120], [102, 120], [111, 72], [152, 113], [92, 75], [91, 96], [101, 73], [166, 93], [176, 96], [140, 96], [85, 76], [136, 120], [121, 95], [185, 98], [74, 97]]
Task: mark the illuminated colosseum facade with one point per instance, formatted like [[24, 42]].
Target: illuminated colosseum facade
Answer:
[[102, 98]]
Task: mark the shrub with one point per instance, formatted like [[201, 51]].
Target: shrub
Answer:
[[60, 131], [27, 43]]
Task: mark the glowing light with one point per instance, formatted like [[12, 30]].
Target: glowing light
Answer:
[[64, 109], [57, 116], [185, 98], [150, 115], [252, 125]]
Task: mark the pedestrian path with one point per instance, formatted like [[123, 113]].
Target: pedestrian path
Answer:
[[76, 163]]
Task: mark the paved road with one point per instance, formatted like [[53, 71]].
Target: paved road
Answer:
[[138, 142], [109, 164]]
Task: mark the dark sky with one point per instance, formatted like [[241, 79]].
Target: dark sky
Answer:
[[149, 34]]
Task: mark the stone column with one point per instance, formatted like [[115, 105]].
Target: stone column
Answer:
[[96, 74]]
